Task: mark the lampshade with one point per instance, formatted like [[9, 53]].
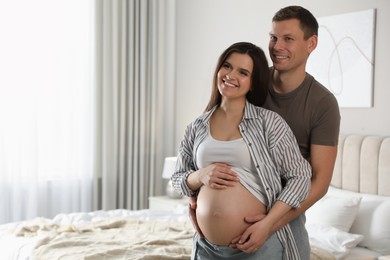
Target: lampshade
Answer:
[[169, 167]]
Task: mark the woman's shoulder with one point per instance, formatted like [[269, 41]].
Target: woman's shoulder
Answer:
[[273, 121], [203, 118], [200, 122]]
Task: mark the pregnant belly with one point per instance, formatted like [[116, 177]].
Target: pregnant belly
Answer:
[[220, 213]]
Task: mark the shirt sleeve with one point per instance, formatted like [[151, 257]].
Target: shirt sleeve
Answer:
[[184, 166], [326, 122], [294, 169]]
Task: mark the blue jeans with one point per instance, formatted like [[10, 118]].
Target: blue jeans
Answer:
[[205, 250], [301, 236]]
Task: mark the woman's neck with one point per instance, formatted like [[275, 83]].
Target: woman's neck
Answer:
[[232, 108]]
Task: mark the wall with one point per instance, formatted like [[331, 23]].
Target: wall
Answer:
[[205, 28]]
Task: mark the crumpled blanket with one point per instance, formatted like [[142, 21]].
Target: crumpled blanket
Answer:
[[111, 239], [320, 254], [117, 238]]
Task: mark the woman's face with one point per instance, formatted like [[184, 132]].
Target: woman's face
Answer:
[[234, 76]]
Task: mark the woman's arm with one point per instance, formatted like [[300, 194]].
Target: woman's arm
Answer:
[[322, 160], [295, 171], [185, 166]]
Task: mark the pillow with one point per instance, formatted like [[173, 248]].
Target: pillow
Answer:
[[334, 211], [372, 221], [333, 240]]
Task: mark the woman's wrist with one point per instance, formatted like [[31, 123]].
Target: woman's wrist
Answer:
[[193, 181]]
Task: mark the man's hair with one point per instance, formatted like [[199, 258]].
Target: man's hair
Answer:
[[307, 21]]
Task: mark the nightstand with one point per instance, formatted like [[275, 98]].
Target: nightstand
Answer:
[[166, 203]]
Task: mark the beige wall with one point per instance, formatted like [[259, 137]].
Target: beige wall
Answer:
[[204, 28]]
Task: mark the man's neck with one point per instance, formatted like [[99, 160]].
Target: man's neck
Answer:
[[287, 81]]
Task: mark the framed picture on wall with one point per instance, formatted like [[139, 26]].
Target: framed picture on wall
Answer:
[[344, 58]]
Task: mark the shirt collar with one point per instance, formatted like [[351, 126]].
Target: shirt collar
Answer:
[[249, 112]]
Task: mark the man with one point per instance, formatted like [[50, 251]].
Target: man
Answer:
[[308, 107]]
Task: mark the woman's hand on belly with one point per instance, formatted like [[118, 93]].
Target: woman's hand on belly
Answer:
[[215, 176]]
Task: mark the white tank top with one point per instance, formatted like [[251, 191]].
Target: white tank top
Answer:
[[236, 154]]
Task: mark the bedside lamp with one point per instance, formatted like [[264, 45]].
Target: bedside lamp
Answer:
[[168, 170]]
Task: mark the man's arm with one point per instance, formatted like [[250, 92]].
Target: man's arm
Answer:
[[322, 161]]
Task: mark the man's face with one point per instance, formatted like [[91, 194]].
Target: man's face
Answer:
[[287, 47]]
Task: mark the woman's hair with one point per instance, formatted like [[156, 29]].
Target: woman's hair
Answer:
[[260, 77], [307, 21]]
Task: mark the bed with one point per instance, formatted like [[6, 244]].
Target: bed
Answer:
[[351, 222], [114, 234]]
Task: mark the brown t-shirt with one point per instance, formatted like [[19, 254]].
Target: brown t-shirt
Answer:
[[311, 111]]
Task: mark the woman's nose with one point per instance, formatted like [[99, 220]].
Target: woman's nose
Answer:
[[230, 75]]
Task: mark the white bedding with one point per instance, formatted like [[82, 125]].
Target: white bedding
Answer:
[[116, 234], [351, 225], [361, 253]]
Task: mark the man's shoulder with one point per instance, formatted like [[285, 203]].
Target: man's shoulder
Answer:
[[317, 87], [318, 93]]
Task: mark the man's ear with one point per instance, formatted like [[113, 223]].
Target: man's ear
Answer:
[[312, 43]]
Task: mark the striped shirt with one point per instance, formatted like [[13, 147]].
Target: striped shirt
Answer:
[[275, 153]]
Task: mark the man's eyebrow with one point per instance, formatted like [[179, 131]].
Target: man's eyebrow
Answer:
[[284, 35]]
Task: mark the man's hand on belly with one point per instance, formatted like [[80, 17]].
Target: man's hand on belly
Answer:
[[192, 212], [246, 236]]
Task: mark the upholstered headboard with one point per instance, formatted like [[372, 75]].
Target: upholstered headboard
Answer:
[[363, 164]]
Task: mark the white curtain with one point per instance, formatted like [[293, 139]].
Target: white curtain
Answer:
[[135, 71], [46, 108]]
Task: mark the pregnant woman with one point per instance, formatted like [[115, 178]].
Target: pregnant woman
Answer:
[[241, 160]]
